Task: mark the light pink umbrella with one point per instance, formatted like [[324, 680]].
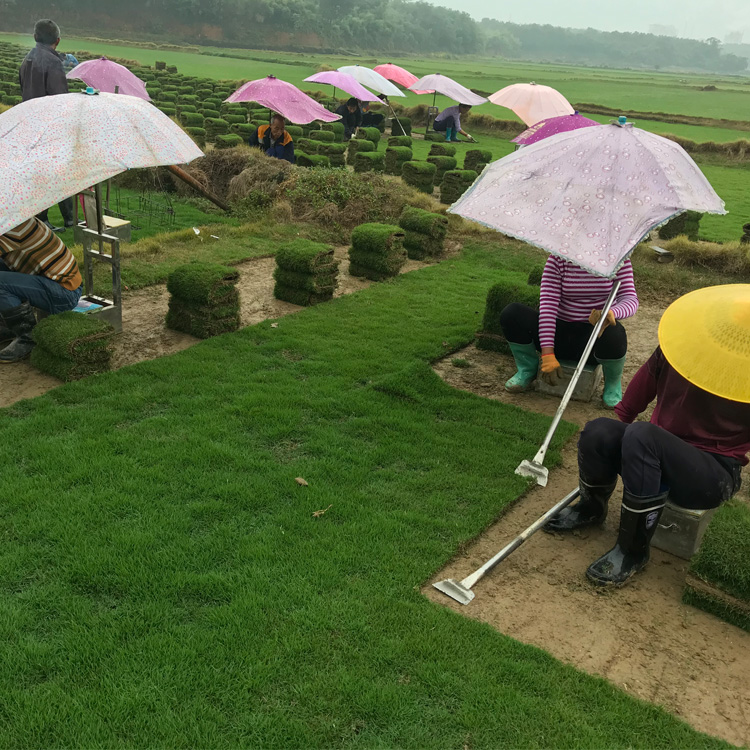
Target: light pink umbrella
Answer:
[[107, 76], [400, 76], [345, 82], [591, 195], [532, 102], [284, 98], [448, 87]]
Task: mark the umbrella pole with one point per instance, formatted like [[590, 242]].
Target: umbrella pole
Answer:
[[99, 215]]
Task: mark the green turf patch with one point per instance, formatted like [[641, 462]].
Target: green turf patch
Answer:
[[719, 576], [500, 295]]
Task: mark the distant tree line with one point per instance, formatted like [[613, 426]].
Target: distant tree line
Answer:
[[364, 25]]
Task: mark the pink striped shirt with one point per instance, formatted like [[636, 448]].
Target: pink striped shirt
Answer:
[[569, 293]]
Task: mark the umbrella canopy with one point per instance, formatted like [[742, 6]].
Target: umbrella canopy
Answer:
[[589, 196], [345, 82], [56, 146], [448, 87], [553, 126], [705, 336], [106, 75], [284, 98], [532, 102], [372, 79], [400, 75]]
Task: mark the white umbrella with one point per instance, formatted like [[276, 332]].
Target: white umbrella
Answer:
[[372, 79], [55, 146], [448, 87]]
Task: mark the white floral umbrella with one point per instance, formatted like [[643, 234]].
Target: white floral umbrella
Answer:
[[56, 146]]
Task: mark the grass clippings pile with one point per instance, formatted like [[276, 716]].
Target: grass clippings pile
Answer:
[[377, 252], [719, 577], [730, 258], [259, 184], [424, 233], [502, 294], [455, 183], [204, 300], [71, 346], [419, 174], [306, 273]]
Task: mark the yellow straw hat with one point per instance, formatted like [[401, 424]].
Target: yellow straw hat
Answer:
[[705, 336]]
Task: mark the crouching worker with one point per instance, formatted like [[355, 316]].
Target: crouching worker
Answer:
[[570, 304], [36, 270], [274, 141], [693, 449], [449, 122]]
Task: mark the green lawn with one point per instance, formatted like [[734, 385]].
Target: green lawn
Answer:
[[164, 584], [731, 184]]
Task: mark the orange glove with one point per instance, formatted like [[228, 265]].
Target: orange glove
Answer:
[[551, 370], [594, 319]]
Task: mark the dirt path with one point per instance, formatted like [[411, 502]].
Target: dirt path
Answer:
[[144, 336], [642, 638]]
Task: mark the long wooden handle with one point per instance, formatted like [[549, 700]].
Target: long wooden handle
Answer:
[[185, 177]]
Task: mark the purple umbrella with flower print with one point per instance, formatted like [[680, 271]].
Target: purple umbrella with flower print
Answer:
[[553, 126], [110, 77], [591, 195]]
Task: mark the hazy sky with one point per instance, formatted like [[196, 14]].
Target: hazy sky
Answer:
[[698, 19]]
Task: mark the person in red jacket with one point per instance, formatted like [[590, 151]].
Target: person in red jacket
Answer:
[[696, 443]]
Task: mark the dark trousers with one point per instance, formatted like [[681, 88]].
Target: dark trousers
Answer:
[[443, 125], [651, 460], [66, 209], [520, 325], [372, 120]]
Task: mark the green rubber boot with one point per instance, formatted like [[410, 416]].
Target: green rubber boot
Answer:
[[448, 134], [612, 381], [527, 364]]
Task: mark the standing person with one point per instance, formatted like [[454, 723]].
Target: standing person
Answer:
[[351, 117], [274, 141], [36, 269], [449, 122], [42, 74], [693, 449], [570, 304]]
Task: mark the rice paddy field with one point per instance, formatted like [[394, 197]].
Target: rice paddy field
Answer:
[[225, 547]]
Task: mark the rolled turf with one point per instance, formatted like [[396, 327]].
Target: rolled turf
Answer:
[[377, 251], [203, 283], [304, 256], [442, 164], [492, 337], [419, 174], [396, 157]]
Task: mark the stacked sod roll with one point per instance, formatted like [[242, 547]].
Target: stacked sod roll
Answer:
[[369, 161], [424, 233], [369, 134], [419, 174], [401, 126], [71, 346], [336, 153], [442, 164], [312, 160], [377, 252], [337, 128], [356, 146], [455, 184], [400, 140], [492, 337], [228, 141], [396, 157], [307, 145], [442, 149], [204, 300], [306, 273], [477, 159]]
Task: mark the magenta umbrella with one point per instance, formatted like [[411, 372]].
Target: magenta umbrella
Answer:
[[345, 82], [284, 98], [107, 76], [399, 75], [553, 126]]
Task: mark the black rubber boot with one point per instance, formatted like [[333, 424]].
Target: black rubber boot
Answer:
[[67, 209], [590, 510], [639, 518], [21, 321]]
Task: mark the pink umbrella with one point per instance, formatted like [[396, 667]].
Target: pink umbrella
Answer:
[[553, 126], [107, 76], [400, 76], [448, 87], [532, 102], [284, 98], [345, 82]]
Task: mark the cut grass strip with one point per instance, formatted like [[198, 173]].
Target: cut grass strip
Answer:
[[163, 581]]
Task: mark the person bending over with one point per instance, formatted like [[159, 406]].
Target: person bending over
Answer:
[[694, 447], [449, 122], [351, 117], [36, 270], [274, 141], [42, 73], [570, 304]]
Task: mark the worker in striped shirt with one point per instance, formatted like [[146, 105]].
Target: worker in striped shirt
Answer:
[[36, 270], [570, 304]]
